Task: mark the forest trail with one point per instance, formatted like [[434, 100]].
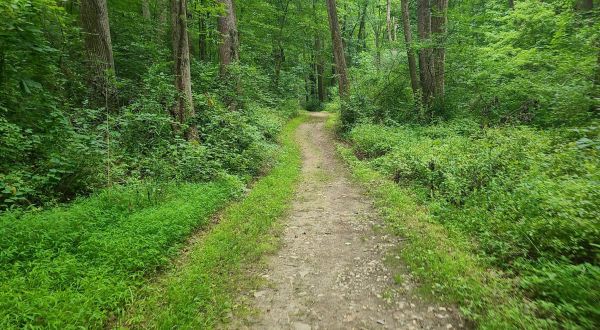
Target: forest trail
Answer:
[[330, 271]]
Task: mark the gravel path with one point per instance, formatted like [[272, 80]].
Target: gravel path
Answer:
[[330, 271]]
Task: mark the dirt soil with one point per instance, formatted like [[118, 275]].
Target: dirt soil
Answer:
[[336, 268]]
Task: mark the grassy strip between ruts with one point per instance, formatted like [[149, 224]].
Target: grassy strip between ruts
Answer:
[[199, 293]]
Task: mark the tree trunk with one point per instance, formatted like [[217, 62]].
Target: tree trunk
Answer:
[[320, 67], [202, 34], [511, 4], [340, 62], [229, 52], [338, 50], [394, 28], [362, 32], [439, 21], [183, 111], [388, 19], [278, 58], [228, 48], [146, 9], [596, 86], [98, 46], [426, 64], [412, 65]]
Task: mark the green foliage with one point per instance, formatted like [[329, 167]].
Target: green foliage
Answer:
[[56, 147], [73, 265], [201, 293], [531, 65], [534, 64], [528, 198]]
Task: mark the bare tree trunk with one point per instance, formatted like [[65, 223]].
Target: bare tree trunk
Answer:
[[596, 86], [320, 67], [412, 65], [439, 21], [183, 111], [340, 63], [394, 28], [388, 19], [202, 34], [229, 47], [146, 9], [338, 50], [362, 33], [229, 52], [426, 64], [98, 46], [278, 59], [511, 4]]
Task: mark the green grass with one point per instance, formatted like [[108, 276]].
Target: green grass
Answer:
[[200, 292], [74, 266], [502, 221], [441, 260]]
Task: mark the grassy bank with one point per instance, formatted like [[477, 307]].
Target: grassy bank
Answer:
[[199, 292], [501, 221], [74, 266]]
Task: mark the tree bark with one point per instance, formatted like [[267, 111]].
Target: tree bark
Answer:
[[183, 111], [388, 19], [412, 65], [202, 34], [338, 50], [394, 28], [340, 64], [511, 4], [439, 21], [362, 33], [596, 86], [229, 46], [426, 64], [320, 68], [146, 9], [98, 46]]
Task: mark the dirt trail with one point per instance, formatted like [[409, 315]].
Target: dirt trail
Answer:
[[330, 271]]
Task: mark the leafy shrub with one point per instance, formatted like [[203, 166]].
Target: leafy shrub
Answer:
[[313, 105], [527, 197]]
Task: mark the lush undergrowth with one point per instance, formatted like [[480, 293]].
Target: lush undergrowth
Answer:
[[74, 266], [199, 293], [518, 205]]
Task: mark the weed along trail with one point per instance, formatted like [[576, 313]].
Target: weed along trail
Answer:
[[330, 272]]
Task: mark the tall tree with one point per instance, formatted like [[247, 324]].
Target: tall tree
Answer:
[[439, 21], [98, 46], [202, 36], [183, 111], [227, 26], [320, 68], [340, 60], [362, 29], [426, 63], [412, 65], [388, 19]]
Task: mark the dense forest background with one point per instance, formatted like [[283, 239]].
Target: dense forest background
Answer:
[[487, 110]]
